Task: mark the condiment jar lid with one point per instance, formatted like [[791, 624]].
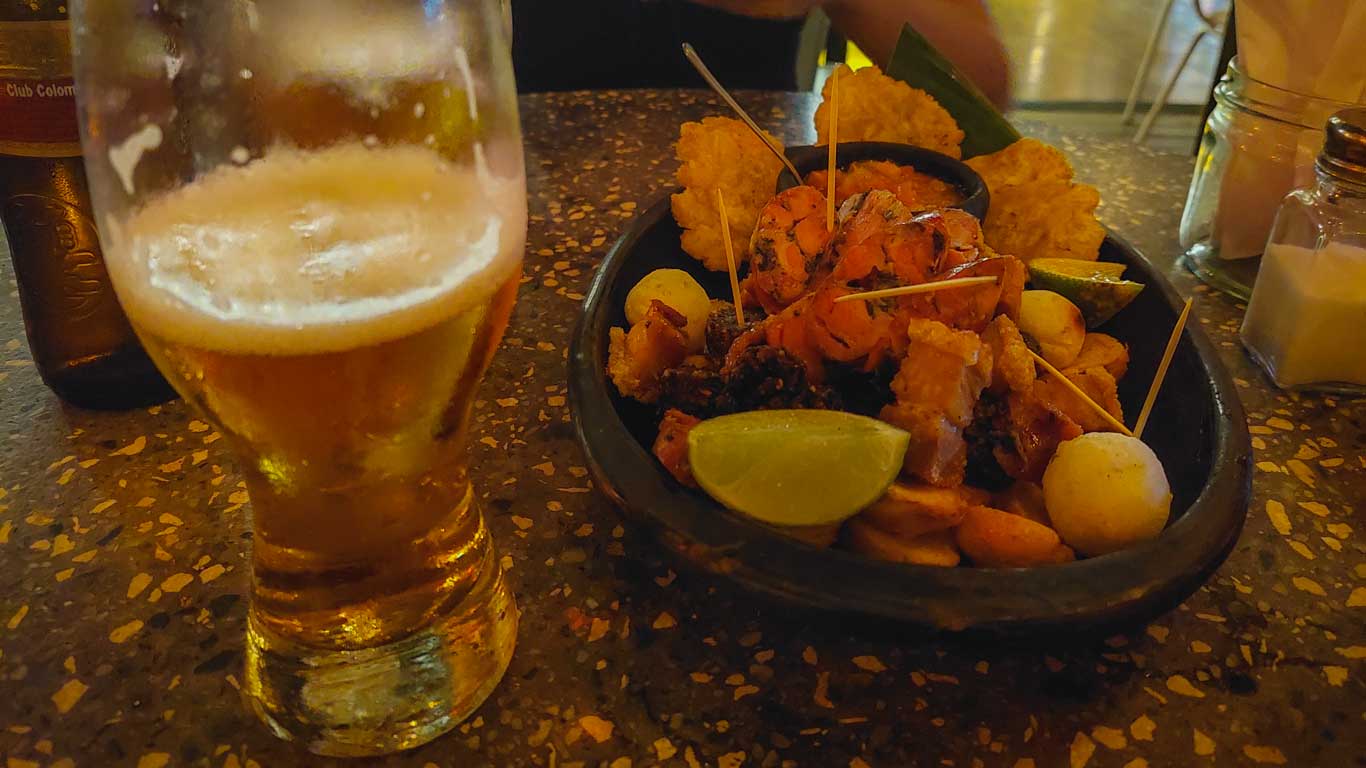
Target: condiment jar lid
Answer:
[[1344, 145]]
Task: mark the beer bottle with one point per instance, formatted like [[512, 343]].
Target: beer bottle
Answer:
[[81, 341]]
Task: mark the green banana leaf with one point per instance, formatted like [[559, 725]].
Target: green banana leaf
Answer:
[[917, 63]]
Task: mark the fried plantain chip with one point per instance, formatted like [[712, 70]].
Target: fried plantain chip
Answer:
[[875, 107], [1027, 161], [1037, 211], [721, 152]]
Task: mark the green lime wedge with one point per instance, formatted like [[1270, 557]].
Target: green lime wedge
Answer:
[[1096, 287], [796, 468]]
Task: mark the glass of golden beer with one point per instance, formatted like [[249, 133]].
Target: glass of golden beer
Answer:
[[314, 214]]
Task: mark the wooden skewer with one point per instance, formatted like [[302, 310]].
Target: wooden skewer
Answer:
[[1161, 370], [1066, 382], [907, 290], [730, 259], [834, 144], [721, 91]]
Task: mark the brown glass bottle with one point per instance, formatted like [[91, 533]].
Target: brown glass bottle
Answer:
[[82, 344]]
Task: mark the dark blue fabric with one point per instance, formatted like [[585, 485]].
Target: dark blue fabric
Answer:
[[561, 45]]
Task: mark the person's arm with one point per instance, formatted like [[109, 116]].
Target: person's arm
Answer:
[[961, 29]]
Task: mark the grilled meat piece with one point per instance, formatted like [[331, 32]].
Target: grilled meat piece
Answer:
[[671, 446], [936, 390]]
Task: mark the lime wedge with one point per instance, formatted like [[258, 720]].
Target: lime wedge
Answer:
[[1094, 286], [796, 468]]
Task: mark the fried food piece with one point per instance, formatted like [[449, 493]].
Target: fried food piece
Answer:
[[723, 328], [972, 308], [995, 539], [1097, 383], [1012, 367], [936, 391], [1100, 350], [1054, 325], [875, 107], [636, 359], [1054, 219], [1026, 162], [1025, 499], [936, 548], [909, 510], [787, 243], [916, 190], [821, 536], [1026, 433], [1036, 209], [721, 153], [671, 446]]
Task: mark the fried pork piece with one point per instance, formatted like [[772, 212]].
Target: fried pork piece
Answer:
[[995, 539], [1104, 351], [1026, 434], [914, 189], [1012, 367], [1036, 209], [787, 243], [721, 153], [936, 392], [934, 548], [875, 107], [638, 357], [1097, 383], [671, 446]]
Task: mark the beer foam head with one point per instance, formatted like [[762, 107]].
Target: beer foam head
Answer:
[[318, 251]]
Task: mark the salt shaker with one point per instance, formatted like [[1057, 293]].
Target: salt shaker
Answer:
[[1307, 317]]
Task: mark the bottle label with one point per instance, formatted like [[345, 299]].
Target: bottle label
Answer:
[[38, 111], [39, 224]]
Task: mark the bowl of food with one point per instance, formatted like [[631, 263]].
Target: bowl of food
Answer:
[[915, 174], [894, 407]]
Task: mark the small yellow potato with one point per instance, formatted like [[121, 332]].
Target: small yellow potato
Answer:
[[1055, 323], [1105, 492], [681, 293]]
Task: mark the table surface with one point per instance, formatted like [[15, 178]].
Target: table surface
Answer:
[[124, 561]]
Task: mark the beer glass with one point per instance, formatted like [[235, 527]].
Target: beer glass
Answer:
[[314, 214]]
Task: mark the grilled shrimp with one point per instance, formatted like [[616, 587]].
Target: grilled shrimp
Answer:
[[787, 245]]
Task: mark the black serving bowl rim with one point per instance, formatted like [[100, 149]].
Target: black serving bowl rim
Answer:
[[1096, 594], [808, 158]]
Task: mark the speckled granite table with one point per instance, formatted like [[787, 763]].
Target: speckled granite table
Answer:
[[124, 538]]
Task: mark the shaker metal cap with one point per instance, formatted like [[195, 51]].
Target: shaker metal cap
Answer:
[[1344, 146]]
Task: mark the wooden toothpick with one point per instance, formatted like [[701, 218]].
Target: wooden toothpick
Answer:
[[721, 91], [907, 290], [834, 144], [1161, 370], [1066, 382], [730, 259]]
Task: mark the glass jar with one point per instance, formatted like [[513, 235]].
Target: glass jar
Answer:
[[1310, 296], [1259, 143]]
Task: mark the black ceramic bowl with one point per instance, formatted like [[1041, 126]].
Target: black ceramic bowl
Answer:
[[1197, 429], [931, 163]]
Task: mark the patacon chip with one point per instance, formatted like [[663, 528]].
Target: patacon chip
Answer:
[[875, 107], [721, 153], [1036, 210]]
